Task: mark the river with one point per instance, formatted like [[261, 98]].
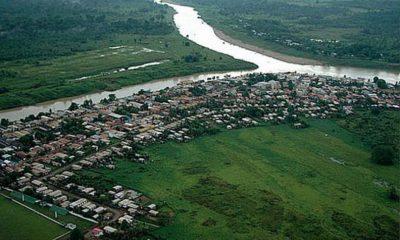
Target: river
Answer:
[[190, 25]]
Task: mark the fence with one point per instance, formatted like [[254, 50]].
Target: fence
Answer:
[[23, 197]]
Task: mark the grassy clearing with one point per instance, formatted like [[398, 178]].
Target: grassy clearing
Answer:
[[17, 223], [37, 221], [268, 183]]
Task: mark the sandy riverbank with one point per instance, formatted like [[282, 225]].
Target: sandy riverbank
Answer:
[[269, 53]]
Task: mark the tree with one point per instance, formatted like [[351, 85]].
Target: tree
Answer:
[[4, 122], [383, 155], [144, 107], [76, 234], [27, 141], [44, 136], [3, 90], [88, 104], [112, 97], [9, 178], [198, 91], [72, 126], [381, 84], [73, 106], [291, 85]]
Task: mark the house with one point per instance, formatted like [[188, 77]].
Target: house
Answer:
[[126, 218], [97, 232], [109, 230], [153, 213], [152, 206], [70, 226], [78, 203], [270, 85]]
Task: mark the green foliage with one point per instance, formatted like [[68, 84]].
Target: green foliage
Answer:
[[261, 77], [394, 194], [267, 183], [101, 184], [73, 107], [88, 104], [198, 91], [9, 178], [44, 136], [3, 90], [192, 58], [27, 141], [161, 99], [112, 97], [366, 30], [50, 28], [383, 155], [55, 66], [376, 128], [381, 84], [76, 234], [7, 74], [354, 229], [4, 122], [198, 128], [72, 126], [126, 110]]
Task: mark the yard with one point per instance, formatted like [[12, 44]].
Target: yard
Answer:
[[18, 223], [268, 183]]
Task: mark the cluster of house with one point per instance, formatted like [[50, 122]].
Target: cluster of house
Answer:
[[62, 198], [105, 131]]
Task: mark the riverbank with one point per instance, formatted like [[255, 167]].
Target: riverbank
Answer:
[[68, 76], [262, 33], [297, 57], [266, 52]]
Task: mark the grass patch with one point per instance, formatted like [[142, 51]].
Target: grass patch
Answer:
[[18, 223], [268, 183]]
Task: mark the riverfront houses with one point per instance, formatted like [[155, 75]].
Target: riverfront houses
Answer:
[[46, 156]]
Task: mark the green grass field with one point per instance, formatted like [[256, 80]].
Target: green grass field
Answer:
[[34, 226], [17, 223], [270, 182]]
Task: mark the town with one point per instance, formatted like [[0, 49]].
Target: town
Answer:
[[42, 156]]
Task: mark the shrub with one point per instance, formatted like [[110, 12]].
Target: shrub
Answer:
[[394, 194], [383, 155]]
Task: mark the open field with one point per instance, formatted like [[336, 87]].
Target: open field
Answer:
[[18, 223], [37, 227], [268, 182]]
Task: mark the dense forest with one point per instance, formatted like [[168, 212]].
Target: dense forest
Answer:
[[50, 28], [359, 29]]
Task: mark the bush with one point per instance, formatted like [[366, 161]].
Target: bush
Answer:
[[383, 155], [394, 194], [76, 234]]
